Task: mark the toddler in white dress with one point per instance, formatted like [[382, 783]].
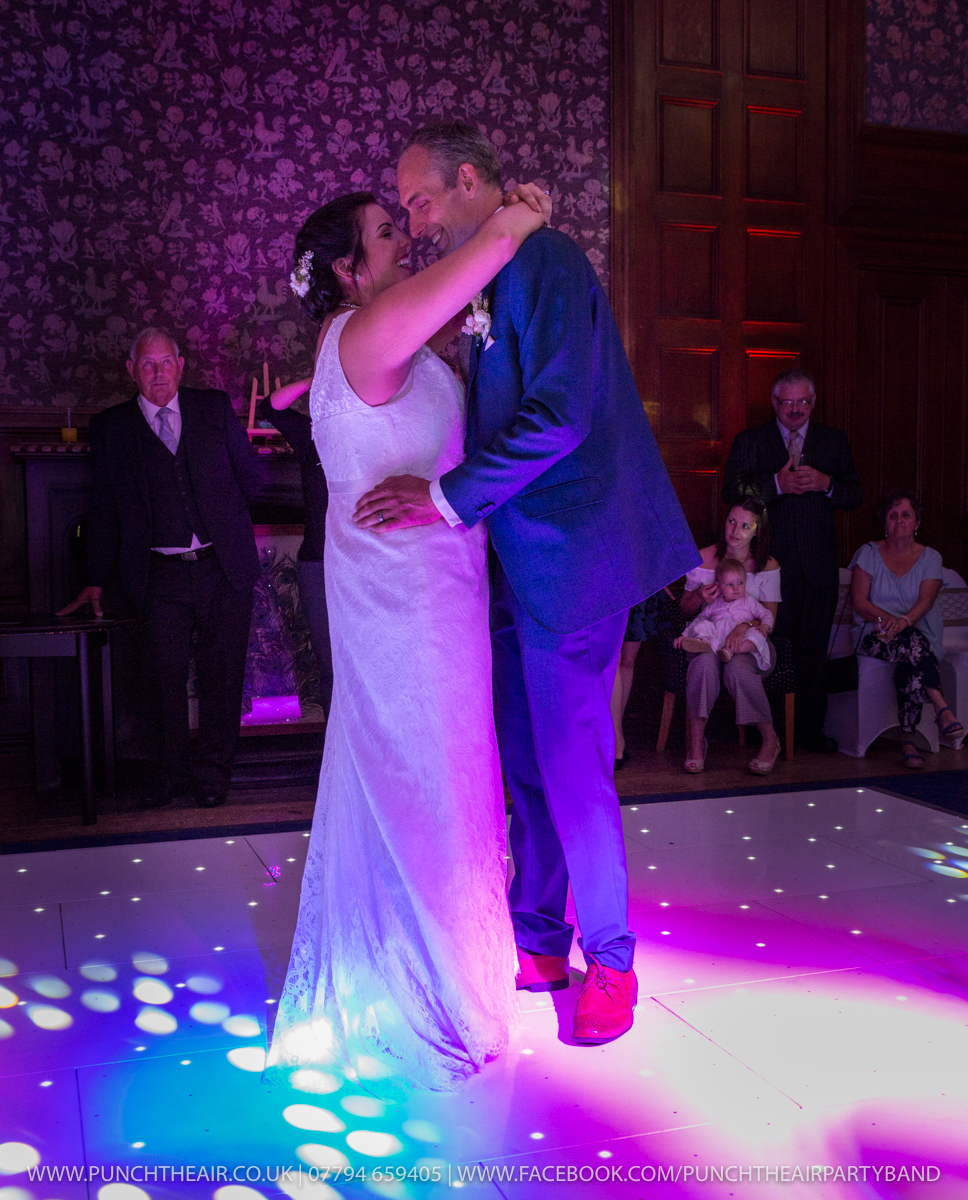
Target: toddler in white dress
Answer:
[[732, 607]]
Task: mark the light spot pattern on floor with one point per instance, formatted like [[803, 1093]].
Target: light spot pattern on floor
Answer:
[[803, 969]]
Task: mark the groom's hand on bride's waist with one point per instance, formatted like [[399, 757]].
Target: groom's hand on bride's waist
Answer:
[[396, 503]]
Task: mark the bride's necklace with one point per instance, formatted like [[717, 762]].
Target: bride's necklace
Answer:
[[350, 306]]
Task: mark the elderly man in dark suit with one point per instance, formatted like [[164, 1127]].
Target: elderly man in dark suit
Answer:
[[174, 474], [803, 471]]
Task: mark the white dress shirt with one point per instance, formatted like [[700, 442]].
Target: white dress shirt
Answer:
[[151, 412], [443, 506]]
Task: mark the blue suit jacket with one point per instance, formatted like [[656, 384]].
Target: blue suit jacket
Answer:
[[562, 462]]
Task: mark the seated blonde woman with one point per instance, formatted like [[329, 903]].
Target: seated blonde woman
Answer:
[[746, 539]]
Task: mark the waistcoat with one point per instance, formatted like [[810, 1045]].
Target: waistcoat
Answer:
[[174, 512]]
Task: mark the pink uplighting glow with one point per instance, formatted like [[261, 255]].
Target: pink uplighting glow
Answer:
[[273, 710]]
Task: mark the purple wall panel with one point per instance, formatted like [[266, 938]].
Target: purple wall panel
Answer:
[[917, 64], [158, 158]]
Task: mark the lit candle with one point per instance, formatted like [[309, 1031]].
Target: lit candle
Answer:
[[68, 433]]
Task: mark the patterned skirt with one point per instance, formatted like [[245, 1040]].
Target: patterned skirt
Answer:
[[652, 618], [916, 669]]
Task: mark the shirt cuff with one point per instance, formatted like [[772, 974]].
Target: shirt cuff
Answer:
[[776, 480], [440, 500]]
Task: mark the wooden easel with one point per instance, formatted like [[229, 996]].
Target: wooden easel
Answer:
[[251, 429]]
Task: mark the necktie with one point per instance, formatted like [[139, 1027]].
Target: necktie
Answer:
[[795, 440], [165, 431]]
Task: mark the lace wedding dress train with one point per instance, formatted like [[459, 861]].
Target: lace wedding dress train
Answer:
[[403, 961]]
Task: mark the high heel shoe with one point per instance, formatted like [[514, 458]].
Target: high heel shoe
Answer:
[[763, 766], [626, 757], [952, 734], [696, 766], [912, 758]]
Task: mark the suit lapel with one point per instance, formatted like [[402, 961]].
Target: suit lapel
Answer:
[[132, 434], [777, 445], [193, 437], [477, 347], [811, 444], [472, 361]]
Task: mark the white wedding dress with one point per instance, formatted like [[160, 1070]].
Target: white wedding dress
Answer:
[[403, 960]]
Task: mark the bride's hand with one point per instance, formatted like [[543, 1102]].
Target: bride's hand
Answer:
[[534, 197], [521, 219]]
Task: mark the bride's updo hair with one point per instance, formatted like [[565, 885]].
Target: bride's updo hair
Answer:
[[332, 232]]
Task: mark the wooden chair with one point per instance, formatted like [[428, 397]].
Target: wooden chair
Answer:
[[780, 682]]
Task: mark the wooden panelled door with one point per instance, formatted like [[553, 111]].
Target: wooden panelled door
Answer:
[[718, 134], [904, 339]]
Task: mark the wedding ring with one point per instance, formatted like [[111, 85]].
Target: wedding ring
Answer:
[[379, 513]]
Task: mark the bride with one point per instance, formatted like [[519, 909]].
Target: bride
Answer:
[[403, 960]]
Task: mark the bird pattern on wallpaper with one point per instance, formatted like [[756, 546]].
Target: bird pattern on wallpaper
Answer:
[[156, 160], [917, 64]]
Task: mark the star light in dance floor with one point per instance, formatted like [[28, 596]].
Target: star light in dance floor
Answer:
[[803, 1016]]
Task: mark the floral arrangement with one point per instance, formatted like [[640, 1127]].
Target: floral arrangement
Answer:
[[478, 323], [299, 280]]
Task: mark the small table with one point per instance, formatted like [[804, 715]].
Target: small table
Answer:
[[42, 636]]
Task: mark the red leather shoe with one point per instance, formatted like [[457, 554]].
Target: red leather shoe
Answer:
[[541, 972], [604, 1009]]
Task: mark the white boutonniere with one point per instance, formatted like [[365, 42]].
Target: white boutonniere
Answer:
[[300, 279], [478, 322]]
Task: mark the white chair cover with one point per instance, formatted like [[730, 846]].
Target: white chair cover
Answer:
[[856, 718]]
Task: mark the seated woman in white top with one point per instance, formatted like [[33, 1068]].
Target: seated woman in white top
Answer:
[[893, 592], [745, 538]]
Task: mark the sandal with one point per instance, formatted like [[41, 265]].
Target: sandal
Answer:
[[763, 766], [695, 766], [911, 758], [953, 731]]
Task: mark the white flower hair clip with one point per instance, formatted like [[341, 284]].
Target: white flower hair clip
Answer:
[[299, 279], [478, 321]]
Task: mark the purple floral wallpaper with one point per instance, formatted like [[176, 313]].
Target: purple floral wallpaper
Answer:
[[917, 64], [158, 158]]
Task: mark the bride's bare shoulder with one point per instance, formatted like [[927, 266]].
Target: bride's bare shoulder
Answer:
[[322, 336]]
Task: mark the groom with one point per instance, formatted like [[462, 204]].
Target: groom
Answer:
[[583, 523]]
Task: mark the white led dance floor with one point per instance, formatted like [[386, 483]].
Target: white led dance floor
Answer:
[[802, 1028]]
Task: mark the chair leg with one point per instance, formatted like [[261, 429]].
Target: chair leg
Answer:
[[668, 707], [741, 730], [788, 731]]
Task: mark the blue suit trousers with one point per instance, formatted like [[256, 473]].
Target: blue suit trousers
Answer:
[[557, 743]]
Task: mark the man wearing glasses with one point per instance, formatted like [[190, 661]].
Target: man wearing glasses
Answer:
[[802, 471]]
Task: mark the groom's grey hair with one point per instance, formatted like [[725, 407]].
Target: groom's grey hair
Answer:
[[453, 143]]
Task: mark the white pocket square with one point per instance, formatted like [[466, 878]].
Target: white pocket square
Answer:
[[489, 343]]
